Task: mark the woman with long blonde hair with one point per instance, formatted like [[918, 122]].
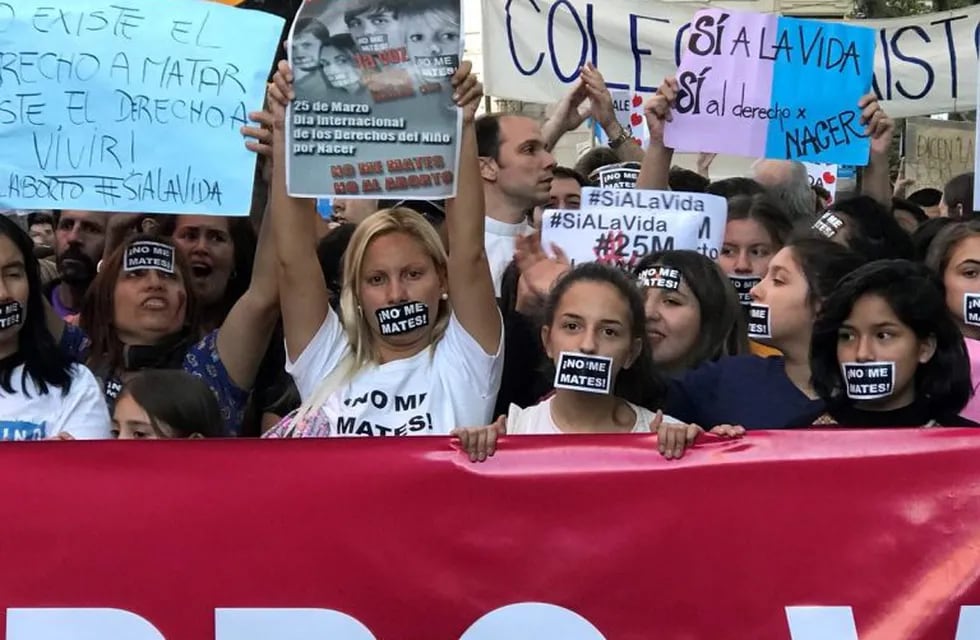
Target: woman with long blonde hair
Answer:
[[416, 347]]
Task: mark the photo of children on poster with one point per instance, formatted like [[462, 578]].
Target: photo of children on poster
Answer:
[[373, 114]]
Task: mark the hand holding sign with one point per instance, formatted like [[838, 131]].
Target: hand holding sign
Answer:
[[467, 91], [280, 94], [658, 110], [757, 85], [261, 142], [878, 126]]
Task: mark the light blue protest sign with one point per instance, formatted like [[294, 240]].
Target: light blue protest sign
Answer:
[[833, 67], [130, 106]]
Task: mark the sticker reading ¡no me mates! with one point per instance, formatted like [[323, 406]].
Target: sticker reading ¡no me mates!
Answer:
[[759, 321], [581, 372], [762, 85], [11, 314]]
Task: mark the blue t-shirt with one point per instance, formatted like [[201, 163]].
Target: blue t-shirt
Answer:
[[201, 360], [746, 390]]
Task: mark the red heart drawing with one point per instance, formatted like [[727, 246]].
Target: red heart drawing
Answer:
[[637, 101], [636, 119], [829, 178]]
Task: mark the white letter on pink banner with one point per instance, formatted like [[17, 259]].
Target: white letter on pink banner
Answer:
[[821, 623], [287, 624], [968, 627], [78, 624], [532, 621]]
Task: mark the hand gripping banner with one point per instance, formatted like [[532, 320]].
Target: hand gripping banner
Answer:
[[784, 536]]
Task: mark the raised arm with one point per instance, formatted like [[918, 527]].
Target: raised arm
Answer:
[[569, 114], [604, 112], [244, 337], [304, 297], [655, 170], [470, 284], [881, 129]]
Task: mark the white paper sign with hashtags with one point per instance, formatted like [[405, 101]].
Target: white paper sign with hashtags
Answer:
[[620, 226]]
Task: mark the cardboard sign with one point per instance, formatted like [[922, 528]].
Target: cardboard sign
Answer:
[[755, 84], [743, 286], [402, 318], [759, 321], [11, 315], [374, 115], [619, 227], [132, 107], [579, 372], [936, 151], [868, 380], [660, 277], [149, 255]]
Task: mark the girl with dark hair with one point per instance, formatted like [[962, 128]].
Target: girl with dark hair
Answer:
[[773, 392], [923, 236], [42, 394], [162, 404], [692, 312], [867, 228], [605, 378], [957, 200], [756, 229], [909, 216], [887, 353], [954, 255], [141, 313]]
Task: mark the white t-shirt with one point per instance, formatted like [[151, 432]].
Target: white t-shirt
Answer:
[[82, 412], [431, 393], [537, 420], [500, 239]]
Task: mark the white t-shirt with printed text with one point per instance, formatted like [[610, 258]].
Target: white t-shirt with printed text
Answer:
[[431, 393], [81, 412], [537, 420], [500, 240]]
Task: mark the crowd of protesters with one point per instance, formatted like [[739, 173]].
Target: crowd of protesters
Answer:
[[280, 324]]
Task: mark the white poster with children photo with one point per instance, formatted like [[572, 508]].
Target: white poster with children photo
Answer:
[[374, 115]]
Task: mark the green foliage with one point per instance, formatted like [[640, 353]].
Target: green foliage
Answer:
[[899, 8]]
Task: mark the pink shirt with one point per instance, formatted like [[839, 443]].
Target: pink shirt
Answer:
[[972, 409]]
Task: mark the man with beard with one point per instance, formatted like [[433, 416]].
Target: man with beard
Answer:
[[79, 243]]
